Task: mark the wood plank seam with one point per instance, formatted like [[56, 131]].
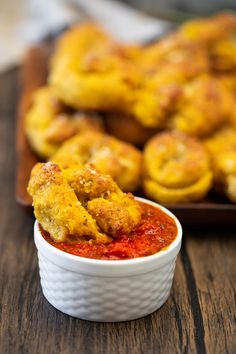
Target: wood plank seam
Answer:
[[194, 301]]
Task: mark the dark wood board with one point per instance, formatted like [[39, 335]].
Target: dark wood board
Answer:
[[214, 210], [198, 318], [33, 75]]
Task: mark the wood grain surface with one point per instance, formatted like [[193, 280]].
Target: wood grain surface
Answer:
[[199, 316]]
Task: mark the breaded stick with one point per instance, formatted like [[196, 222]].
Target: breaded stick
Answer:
[[58, 210], [74, 205], [114, 211]]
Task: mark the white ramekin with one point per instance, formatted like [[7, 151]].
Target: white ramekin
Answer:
[[104, 290]]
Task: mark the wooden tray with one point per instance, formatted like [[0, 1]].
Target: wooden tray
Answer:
[[213, 211]]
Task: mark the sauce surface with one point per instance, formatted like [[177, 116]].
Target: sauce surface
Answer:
[[155, 232]]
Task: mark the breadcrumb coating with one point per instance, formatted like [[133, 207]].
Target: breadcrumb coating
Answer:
[[120, 160], [176, 168], [81, 204], [57, 208], [222, 149], [48, 123]]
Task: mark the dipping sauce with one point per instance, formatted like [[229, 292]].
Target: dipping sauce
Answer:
[[155, 232]]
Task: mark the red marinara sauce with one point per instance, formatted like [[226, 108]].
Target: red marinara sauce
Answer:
[[155, 232]]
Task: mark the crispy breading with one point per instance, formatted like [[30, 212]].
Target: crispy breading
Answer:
[[166, 66], [175, 52], [127, 128], [81, 204], [88, 183], [188, 194], [228, 80], [176, 168], [107, 76], [204, 106], [114, 211], [57, 208], [199, 47], [111, 156], [115, 215], [222, 149], [211, 29], [91, 70], [157, 99], [217, 34], [48, 123], [146, 83]]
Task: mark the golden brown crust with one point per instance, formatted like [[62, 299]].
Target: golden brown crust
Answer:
[[115, 215], [99, 71], [184, 82], [67, 125], [222, 149], [88, 183], [176, 168], [81, 204], [57, 208], [146, 83], [176, 53], [205, 106], [49, 122], [211, 29], [114, 211], [217, 34], [127, 128], [107, 76], [120, 160]]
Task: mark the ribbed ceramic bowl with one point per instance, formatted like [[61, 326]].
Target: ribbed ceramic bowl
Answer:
[[107, 290]]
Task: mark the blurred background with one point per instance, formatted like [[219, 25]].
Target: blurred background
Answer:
[[178, 9], [27, 21]]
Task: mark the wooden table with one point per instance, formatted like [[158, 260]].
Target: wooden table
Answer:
[[199, 316]]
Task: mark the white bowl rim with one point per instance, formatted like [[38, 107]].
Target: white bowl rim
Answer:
[[162, 257]]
